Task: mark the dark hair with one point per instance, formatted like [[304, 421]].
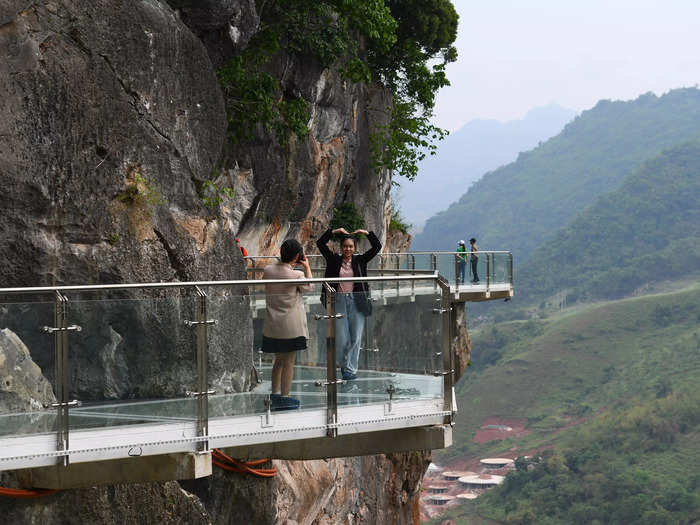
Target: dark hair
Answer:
[[290, 249], [472, 240], [345, 238]]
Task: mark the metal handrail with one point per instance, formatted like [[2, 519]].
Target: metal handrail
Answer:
[[437, 252], [192, 284]]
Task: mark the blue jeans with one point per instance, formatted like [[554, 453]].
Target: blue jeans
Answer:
[[348, 332], [462, 268]]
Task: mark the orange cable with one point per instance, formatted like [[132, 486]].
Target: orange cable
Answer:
[[25, 493], [225, 462]]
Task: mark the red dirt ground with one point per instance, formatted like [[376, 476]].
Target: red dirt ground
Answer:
[[491, 434]]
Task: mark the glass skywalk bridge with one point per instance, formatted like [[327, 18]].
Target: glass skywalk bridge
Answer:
[[149, 370], [494, 269]]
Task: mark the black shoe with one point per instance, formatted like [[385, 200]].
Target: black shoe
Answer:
[[347, 376]]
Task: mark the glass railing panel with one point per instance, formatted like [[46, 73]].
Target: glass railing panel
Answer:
[[398, 350], [230, 377], [447, 265], [309, 363], [499, 267], [134, 361], [27, 368]]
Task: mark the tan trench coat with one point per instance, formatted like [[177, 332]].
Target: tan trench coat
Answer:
[[285, 317]]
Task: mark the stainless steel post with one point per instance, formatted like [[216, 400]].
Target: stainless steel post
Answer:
[[398, 268], [202, 369], [202, 392], [434, 267], [456, 272], [60, 332], [381, 272], [510, 264], [332, 382], [448, 360], [488, 273], [413, 269], [61, 338]]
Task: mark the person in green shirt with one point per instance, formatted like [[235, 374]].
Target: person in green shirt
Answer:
[[461, 261]]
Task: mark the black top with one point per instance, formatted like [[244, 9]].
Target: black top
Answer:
[[359, 262]]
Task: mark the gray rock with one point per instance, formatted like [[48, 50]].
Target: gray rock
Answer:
[[113, 120], [23, 388]]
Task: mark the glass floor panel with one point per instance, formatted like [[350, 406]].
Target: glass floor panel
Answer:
[[23, 423], [369, 387]]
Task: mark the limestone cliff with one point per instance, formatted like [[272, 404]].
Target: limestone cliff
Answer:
[[111, 122]]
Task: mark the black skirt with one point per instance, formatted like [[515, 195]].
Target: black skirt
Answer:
[[271, 345]]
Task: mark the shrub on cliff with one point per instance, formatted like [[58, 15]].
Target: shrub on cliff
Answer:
[[403, 46]]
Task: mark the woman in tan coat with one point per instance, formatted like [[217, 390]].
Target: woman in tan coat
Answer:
[[284, 329]]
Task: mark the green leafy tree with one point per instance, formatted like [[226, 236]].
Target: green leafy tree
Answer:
[[403, 46]]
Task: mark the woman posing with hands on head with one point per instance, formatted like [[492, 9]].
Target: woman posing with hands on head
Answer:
[[352, 299]]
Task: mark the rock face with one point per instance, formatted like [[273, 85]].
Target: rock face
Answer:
[[111, 122], [290, 189], [115, 119], [23, 388], [363, 490], [397, 242]]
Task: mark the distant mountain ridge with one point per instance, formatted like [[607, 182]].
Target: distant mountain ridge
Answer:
[[647, 230], [522, 205], [466, 154]]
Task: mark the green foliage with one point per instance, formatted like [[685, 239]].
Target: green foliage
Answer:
[[415, 70], [213, 194], [252, 96], [646, 231], [347, 216], [402, 45], [397, 222], [575, 365], [139, 191], [520, 206], [592, 478], [402, 143]]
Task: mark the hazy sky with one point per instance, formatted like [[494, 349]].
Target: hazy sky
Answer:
[[518, 54]]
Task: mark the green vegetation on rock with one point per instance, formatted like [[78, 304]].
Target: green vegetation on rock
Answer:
[[347, 216], [402, 46]]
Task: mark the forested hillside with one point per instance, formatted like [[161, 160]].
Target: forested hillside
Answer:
[[647, 230], [521, 205], [553, 371], [610, 393], [633, 465]]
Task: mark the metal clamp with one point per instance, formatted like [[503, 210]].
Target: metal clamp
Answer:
[[319, 317], [370, 349], [390, 390], [441, 310], [71, 328], [189, 393], [70, 404], [194, 323], [438, 374], [326, 383]]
